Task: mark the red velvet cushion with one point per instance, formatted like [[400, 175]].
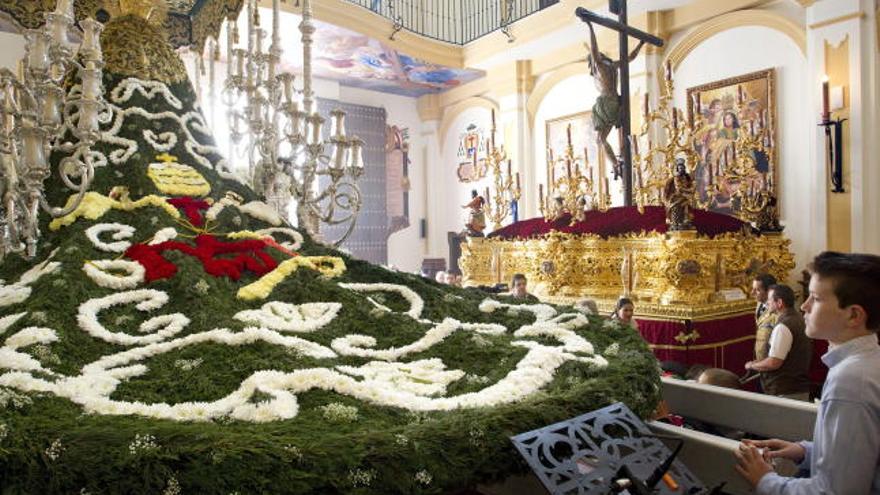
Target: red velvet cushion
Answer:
[[619, 221]]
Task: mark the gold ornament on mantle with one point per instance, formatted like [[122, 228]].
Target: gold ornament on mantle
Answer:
[[732, 170], [506, 190], [573, 192], [679, 274]]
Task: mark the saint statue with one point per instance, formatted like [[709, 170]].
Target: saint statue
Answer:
[[606, 110], [763, 211], [477, 217], [678, 196]]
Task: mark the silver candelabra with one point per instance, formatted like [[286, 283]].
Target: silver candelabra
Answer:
[[37, 117], [281, 130]]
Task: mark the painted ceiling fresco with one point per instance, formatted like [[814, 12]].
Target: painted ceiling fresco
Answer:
[[363, 62]]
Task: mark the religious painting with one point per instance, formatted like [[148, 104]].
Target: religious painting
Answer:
[[583, 140], [397, 183], [728, 108], [471, 154]]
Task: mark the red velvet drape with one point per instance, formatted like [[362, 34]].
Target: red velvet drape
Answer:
[[727, 343], [619, 221]]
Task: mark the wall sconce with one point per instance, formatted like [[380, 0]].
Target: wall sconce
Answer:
[[833, 141]]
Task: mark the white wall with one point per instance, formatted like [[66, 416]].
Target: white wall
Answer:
[[751, 48], [446, 191], [405, 247], [572, 95]]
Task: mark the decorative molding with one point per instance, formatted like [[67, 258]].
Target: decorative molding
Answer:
[[843, 18], [452, 112], [762, 18]]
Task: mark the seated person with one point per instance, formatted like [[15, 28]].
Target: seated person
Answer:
[[719, 377], [518, 288], [623, 312], [587, 307]]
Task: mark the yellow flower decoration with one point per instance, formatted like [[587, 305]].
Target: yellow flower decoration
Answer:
[[95, 205], [264, 286], [177, 179]]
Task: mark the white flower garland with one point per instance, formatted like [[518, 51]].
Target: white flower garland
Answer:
[[416, 304], [542, 312], [147, 300], [262, 211], [9, 320], [359, 345], [285, 317], [148, 89], [100, 273], [20, 291], [169, 138], [426, 377], [163, 235], [122, 232], [30, 336]]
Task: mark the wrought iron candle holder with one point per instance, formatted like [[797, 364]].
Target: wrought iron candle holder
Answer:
[[834, 150]]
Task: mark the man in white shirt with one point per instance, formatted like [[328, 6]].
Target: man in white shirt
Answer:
[[785, 369]]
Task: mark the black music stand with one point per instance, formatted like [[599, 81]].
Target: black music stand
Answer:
[[592, 453]]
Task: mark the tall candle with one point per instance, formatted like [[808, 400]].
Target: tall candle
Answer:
[[668, 70], [645, 107], [568, 168], [698, 108], [674, 118], [635, 144], [508, 168], [541, 194], [517, 181], [739, 94], [826, 107]]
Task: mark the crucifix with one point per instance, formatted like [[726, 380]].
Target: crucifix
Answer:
[[612, 108]]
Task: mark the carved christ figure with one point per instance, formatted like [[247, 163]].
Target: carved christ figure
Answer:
[[606, 110]]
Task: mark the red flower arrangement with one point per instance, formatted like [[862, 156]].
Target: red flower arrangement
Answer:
[[248, 255]]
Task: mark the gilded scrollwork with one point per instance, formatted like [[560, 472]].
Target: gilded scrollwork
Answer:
[[188, 23], [679, 274]]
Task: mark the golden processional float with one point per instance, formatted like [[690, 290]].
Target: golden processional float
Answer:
[[687, 269]]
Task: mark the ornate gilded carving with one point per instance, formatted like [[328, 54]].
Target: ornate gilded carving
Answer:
[[189, 23], [679, 275], [133, 47]]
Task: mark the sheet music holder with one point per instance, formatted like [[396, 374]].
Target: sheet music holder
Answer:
[[589, 454]]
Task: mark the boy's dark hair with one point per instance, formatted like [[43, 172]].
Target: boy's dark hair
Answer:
[[766, 280], [855, 280], [518, 276], [783, 292]]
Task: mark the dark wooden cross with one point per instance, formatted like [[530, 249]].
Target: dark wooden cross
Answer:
[[618, 7]]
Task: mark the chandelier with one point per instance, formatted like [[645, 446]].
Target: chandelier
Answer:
[[37, 117], [281, 130]]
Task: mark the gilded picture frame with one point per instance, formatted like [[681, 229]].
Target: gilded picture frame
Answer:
[[718, 107]]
